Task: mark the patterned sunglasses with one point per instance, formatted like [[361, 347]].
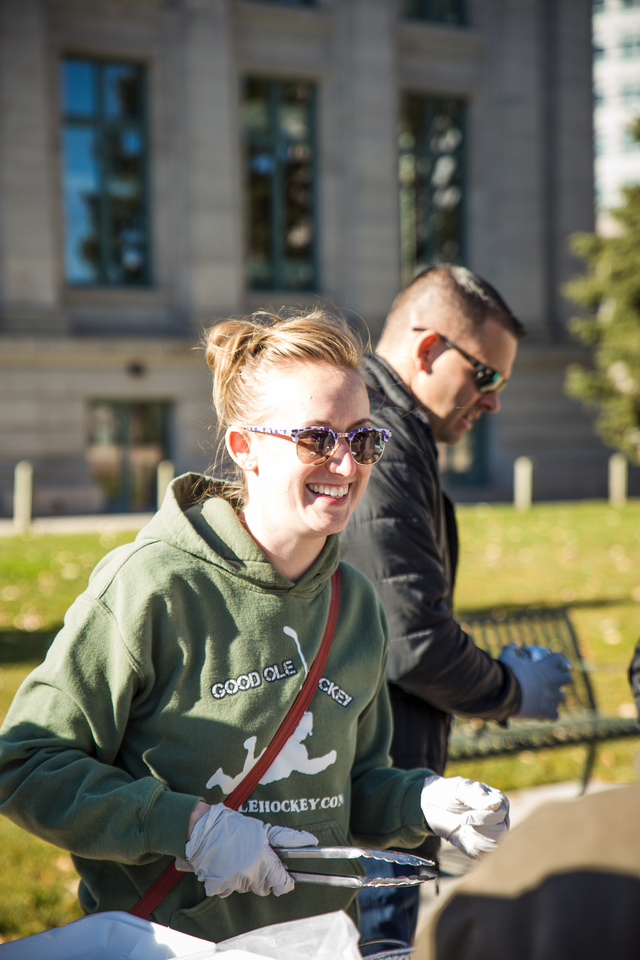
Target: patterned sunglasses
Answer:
[[316, 444]]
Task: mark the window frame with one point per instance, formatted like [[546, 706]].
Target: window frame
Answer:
[[273, 142], [99, 123], [427, 11], [429, 104]]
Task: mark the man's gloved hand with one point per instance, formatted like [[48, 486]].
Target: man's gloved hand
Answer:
[[469, 814], [540, 674], [230, 853]]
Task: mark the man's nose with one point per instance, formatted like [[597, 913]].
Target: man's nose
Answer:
[[489, 402]]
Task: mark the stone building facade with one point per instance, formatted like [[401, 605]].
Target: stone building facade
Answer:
[[616, 87], [167, 162]]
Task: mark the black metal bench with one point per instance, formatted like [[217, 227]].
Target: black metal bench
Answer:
[[580, 721]]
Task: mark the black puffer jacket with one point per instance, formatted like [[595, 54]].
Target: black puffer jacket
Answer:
[[403, 537]]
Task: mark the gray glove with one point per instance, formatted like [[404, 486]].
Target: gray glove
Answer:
[[230, 853], [469, 814], [540, 674]]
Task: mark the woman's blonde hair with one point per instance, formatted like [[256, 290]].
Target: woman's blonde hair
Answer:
[[243, 354]]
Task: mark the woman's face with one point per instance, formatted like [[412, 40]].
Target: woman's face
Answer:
[[292, 504]]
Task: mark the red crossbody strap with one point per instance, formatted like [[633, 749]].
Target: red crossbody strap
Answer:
[[168, 879]]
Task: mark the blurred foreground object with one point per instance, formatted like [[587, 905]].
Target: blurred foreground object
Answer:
[[565, 883]]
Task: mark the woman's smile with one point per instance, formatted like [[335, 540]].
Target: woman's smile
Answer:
[[329, 490]]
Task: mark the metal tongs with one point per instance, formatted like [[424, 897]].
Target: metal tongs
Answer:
[[426, 869]]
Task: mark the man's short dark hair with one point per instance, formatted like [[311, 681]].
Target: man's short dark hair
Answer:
[[469, 294]]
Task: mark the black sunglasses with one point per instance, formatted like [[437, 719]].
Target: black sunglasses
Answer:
[[487, 379]]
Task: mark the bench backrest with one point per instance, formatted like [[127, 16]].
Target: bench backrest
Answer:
[[550, 628]]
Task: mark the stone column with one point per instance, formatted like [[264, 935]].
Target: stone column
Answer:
[[28, 260], [510, 145], [364, 266], [571, 189], [211, 159]]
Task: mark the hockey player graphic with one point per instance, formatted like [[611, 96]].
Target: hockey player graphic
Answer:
[[293, 758]]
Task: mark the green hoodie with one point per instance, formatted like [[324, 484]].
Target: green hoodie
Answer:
[[172, 671]]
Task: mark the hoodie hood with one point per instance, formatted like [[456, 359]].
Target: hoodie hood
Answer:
[[197, 518]]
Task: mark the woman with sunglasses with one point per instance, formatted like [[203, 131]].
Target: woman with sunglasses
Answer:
[[175, 668]]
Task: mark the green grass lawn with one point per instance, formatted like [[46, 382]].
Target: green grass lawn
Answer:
[[585, 555]]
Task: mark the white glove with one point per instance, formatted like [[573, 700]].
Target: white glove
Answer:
[[230, 853], [469, 814], [540, 674]]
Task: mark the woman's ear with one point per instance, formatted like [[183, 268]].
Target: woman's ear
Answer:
[[240, 449]]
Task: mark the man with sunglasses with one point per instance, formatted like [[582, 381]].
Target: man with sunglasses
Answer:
[[446, 351]]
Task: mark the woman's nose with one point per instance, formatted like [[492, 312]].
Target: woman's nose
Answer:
[[342, 458]]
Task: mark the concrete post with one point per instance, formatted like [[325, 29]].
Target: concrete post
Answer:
[[22, 495], [522, 482], [617, 479], [166, 473]]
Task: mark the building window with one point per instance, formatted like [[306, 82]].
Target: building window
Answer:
[[597, 6], [125, 443], [290, 3], [631, 3], [630, 46], [630, 94], [278, 120], [466, 463], [104, 173], [436, 11], [431, 172]]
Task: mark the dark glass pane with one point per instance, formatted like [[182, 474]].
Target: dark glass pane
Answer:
[[436, 11], [431, 182], [127, 244], [104, 170], [298, 239], [81, 205], [78, 89], [147, 448], [122, 92], [293, 112], [125, 218], [124, 163], [105, 448], [278, 127], [465, 464], [255, 106], [125, 444], [260, 198]]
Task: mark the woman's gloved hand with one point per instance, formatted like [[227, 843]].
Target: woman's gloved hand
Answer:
[[469, 814], [230, 853]]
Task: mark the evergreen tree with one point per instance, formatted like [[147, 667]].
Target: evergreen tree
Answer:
[[610, 291]]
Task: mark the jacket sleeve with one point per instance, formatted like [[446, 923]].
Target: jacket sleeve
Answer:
[[385, 801], [60, 776], [397, 537]]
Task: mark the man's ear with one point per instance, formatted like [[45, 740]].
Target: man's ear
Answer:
[[240, 450], [426, 347]]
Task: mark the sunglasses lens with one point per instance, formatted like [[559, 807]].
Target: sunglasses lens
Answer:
[[490, 381], [367, 446], [314, 446]]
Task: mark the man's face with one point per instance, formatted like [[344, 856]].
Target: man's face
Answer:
[[447, 385]]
